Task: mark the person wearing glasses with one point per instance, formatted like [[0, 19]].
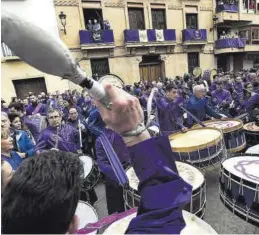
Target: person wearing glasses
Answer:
[[57, 136], [169, 114]]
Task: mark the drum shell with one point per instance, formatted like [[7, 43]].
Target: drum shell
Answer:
[[196, 206], [240, 195], [252, 137]]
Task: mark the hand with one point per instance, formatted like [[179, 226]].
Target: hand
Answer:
[[126, 113], [184, 129], [81, 126], [54, 149], [37, 115], [253, 93], [224, 118], [22, 155]]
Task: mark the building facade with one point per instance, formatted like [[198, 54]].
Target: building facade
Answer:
[[148, 39]]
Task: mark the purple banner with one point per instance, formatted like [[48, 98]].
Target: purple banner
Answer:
[[231, 43], [194, 35], [227, 7], [102, 36], [132, 35]]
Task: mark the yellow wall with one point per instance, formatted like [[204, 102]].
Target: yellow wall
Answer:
[[19, 70]]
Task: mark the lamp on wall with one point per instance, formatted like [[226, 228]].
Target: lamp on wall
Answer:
[[215, 19], [63, 21]]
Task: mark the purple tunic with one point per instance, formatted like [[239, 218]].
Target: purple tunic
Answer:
[[120, 149], [42, 110], [163, 192], [169, 115], [68, 139], [218, 96]]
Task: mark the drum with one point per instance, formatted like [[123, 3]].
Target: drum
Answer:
[[239, 186], [251, 133], [233, 134], [201, 147], [194, 225], [91, 173], [189, 173], [40, 122], [253, 150], [86, 214]]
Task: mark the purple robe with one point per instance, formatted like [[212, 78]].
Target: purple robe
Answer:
[[227, 85], [218, 96], [68, 139], [163, 192], [42, 110], [213, 87], [238, 87], [252, 103], [120, 149], [169, 115]]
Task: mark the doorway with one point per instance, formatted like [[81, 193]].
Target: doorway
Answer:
[[24, 86], [151, 68]]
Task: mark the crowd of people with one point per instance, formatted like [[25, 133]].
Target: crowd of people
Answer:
[[43, 135]]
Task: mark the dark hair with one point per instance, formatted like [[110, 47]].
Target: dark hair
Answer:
[[42, 196], [17, 105], [170, 87], [12, 116]]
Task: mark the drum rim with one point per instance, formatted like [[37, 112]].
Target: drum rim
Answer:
[[226, 130], [224, 170], [246, 130], [88, 204], [237, 149], [198, 147]]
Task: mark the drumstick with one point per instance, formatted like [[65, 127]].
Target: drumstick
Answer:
[[80, 134], [193, 116], [46, 53], [56, 144]]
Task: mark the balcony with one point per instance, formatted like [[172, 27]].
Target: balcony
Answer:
[[150, 38], [227, 8], [194, 37], [234, 45], [102, 39]]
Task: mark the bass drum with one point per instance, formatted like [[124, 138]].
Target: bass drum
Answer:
[[194, 225]]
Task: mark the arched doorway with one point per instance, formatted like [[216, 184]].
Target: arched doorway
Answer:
[[151, 68]]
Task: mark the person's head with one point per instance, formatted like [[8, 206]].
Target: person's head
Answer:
[[15, 121], [199, 91], [33, 100], [238, 79], [43, 95], [54, 118], [219, 85], [5, 123], [6, 141], [215, 78], [66, 103], [249, 87], [6, 173], [43, 201], [74, 100], [25, 102], [73, 114], [16, 108], [171, 92], [13, 99], [60, 102]]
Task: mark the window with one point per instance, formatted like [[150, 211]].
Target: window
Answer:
[[255, 35], [6, 51], [136, 18], [93, 14], [249, 6], [192, 21], [158, 18], [193, 61], [100, 66]]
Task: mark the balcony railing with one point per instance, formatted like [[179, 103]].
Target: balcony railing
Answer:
[[102, 37], [195, 36], [150, 36], [231, 43], [227, 8]]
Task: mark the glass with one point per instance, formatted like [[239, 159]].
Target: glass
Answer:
[[54, 117]]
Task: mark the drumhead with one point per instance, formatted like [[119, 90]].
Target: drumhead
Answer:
[[194, 225], [88, 165], [189, 173], [195, 139], [86, 214], [226, 126], [254, 149], [251, 127], [245, 167]]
